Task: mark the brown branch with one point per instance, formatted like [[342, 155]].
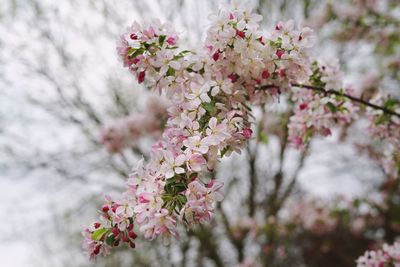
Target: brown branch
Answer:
[[292, 183], [334, 92], [237, 243], [207, 244], [253, 180]]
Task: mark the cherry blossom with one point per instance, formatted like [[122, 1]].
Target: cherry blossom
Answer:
[[210, 94]]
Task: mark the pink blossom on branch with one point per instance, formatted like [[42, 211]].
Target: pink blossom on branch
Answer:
[[211, 92]]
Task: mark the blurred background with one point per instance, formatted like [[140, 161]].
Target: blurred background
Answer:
[[62, 85]]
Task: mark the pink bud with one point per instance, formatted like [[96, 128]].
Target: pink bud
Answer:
[[233, 77], [171, 40], [303, 106], [265, 74], [132, 235], [115, 231], [141, 76], [247, 132], [231, 16], [135, 60], [125, 239], [240, 33], [97, 250], [114, 207], [105, 208], [279, 53], [216, 56]]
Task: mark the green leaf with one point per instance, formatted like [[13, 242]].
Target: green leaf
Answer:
[[181, 199], [110, 240], [171, 72], [331, 107], [384, 118], [99, 233], [161, 39], [210, 107], [182, 53], [135, 52], [390, 103]]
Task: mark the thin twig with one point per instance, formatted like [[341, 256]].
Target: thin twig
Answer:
[[334, 92]]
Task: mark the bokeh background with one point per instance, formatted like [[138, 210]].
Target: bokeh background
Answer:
[[61, 83]]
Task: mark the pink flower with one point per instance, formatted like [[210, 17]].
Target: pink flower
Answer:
[[196, 162], [279, 53], [195, 143], [172, 164], [216, 133], [141, 76]]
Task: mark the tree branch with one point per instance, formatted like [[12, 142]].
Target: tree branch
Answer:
[[253, 180], [334, 92]]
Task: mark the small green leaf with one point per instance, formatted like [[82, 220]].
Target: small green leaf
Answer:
[[161, 39], [181, 199], [210, 107], [110, 240], [99, 233], [331, 107], [135, 52], [390, 103], [171, 72]]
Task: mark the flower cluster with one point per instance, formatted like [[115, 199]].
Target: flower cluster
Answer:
[[322, 217], [209, 117], [318, 113], [126, 132], [210, 92], [115, 226], [389, 256], [386, 128]]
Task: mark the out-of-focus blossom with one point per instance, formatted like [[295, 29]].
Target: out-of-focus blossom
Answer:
[[389, 255]]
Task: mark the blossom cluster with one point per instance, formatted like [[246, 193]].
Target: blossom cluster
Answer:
[[389, 256], [360, 19], [321, 217], [127, 131], [318, 113], [210, 93], [386, 128]]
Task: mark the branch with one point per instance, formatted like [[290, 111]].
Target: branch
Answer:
[[253, 180], [334, 92]]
